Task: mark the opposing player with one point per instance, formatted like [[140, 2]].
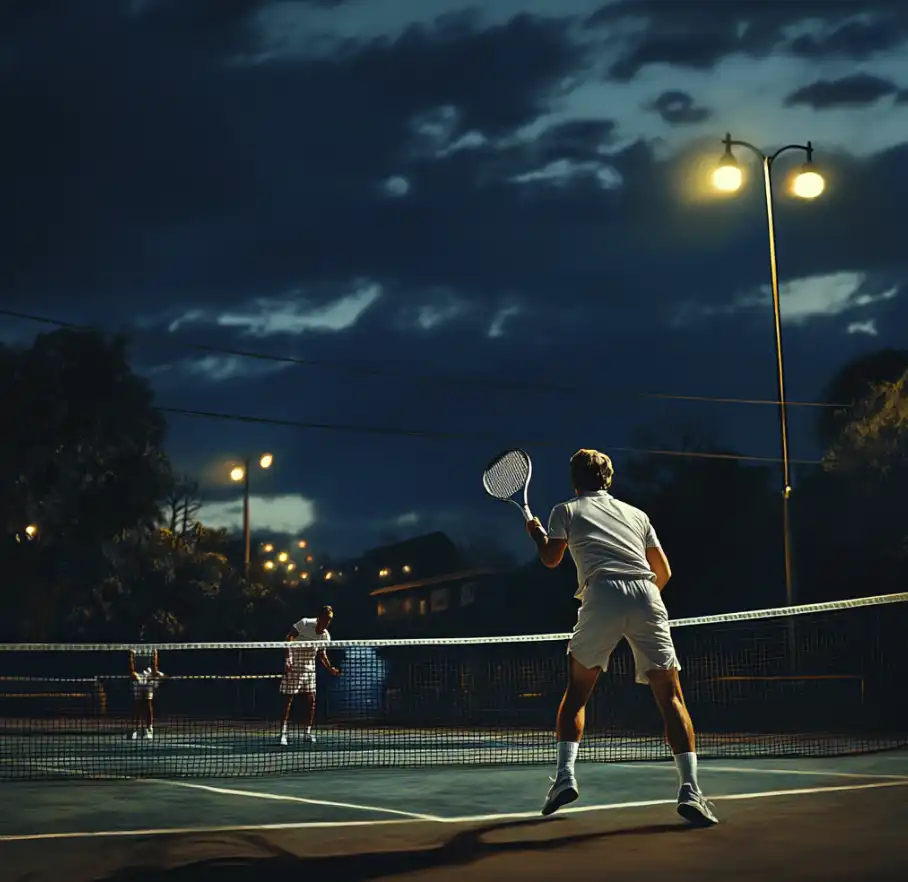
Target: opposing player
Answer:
[[621, 571], [299, 669], [146, 677]]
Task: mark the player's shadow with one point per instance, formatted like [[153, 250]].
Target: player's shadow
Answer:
[[464, 848]]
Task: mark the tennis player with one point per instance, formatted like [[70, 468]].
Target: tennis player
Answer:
[[621, 571], [146, 677], [299, 669]]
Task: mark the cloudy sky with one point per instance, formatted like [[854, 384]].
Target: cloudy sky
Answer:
[[477, 224]]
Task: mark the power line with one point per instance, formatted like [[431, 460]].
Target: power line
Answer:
[[415, 377], [459, 436]]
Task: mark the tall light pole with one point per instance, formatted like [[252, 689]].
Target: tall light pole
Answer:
[[808, 184], [241, 473]]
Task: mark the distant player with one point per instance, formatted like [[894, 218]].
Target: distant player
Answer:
[[621, 571], [299, 669], [146, 677]]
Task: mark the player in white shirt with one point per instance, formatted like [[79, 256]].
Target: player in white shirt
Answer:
[[146, 677], [299, 669], [621, 571]]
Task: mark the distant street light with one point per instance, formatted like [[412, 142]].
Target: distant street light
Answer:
[[31, 531], [241, 473], [807, 184], [283, 557]]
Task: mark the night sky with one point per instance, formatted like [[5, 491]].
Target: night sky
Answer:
[[489, 220]]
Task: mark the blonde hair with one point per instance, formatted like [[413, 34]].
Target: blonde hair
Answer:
[[591, 471]]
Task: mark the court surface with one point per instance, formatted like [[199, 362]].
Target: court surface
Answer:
[[781, 819]]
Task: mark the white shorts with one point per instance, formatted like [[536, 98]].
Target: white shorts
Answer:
[[616, 608], [144, 689], [295, 682]]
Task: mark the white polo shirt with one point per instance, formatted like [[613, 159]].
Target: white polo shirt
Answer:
[[303, 657], [606, 537]]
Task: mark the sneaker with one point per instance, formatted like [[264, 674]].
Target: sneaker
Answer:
[[135, 736], [563, 790], [695, 808], [283, 740], [149, 734], [308, 736]]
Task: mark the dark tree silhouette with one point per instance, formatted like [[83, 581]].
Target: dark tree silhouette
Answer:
[[81, 460]]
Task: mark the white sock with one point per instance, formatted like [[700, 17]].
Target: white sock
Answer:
[[308, 730], [567, 754], [686, 764]]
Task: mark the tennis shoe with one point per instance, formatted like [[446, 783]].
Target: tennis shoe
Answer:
[[308, 736], [563, 791], [149, 734], [695, 808]]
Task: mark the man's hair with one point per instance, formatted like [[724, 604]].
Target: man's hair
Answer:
[[326, 611], [591, 471]]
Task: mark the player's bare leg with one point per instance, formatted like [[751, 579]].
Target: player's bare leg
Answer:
[[308, 715], [679, 732], [285, 720], [569, 732]]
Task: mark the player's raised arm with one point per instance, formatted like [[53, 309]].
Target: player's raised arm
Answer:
[[551, 545]]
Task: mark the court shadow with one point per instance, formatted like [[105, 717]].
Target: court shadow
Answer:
[[463, 848]]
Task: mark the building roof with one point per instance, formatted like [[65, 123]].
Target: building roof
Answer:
[[434, 580]]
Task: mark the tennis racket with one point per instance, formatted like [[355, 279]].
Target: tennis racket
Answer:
[[507, 475]]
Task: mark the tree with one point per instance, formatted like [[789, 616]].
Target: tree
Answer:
[[852, 384], [161, 586], [81, 459], [853, 525], [182, 504]]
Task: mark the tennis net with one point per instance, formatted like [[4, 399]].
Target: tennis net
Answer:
[[820, 680]]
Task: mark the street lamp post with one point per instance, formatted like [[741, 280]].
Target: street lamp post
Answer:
[[808, 184], [241, 473]]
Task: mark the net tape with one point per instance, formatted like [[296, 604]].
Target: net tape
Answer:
[[507, 474], [436, 642]]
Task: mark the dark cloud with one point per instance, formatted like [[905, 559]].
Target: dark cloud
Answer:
[[698, 51], [850, 91], [697, 34], [854, 39], [679, 108]]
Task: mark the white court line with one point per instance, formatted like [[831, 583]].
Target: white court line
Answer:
[[315, 825], [280, 797]]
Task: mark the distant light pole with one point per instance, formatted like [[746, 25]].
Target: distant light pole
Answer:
[[807, 184], [241, 473]]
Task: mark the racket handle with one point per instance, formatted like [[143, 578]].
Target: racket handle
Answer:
[[527, 513]]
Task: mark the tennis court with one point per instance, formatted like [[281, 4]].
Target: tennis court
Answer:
[[840, 818], [432, 759]]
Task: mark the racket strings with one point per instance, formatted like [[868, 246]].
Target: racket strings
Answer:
[[504, 477]]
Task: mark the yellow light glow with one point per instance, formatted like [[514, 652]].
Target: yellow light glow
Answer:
[[269, 565], [808, 185], [31, 530], [291, 567], [308, 558], [405, 568], [383, 573], [268, 548], [237, 474], [304, 575], [329, 575], [302, 543], [727, 178], [283, 557], [266, 461]]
